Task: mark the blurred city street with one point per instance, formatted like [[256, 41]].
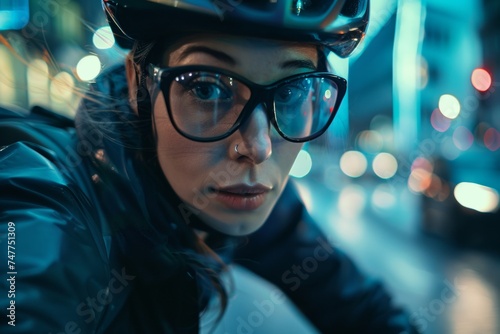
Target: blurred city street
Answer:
[[446, 289]]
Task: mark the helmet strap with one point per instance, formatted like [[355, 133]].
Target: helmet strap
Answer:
[[141, 53]]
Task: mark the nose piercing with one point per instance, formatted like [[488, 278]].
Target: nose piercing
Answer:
[[236, 149]]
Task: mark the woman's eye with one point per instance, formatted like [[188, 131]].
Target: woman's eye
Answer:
[[204, 87], [284, 95], [290, 94], [207, 91]]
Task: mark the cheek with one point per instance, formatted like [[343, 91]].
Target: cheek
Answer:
[[284, 153], [182, 160]]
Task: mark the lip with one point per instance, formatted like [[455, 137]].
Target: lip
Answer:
[[241, 197]]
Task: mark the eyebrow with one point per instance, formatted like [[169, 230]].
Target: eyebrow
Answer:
[[299, 63], [224, 57]]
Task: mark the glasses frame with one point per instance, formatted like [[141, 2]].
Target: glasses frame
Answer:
[[259, 94]]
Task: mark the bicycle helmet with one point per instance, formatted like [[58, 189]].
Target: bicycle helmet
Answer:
[[339, 25]]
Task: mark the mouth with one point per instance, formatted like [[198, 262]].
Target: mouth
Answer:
[[241, 197]]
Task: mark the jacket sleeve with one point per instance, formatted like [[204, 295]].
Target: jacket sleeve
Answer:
[[51, 250], [291, 252]]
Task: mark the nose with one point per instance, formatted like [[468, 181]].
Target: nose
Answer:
[[255, 136]]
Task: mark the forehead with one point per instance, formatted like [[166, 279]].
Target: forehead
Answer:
[[260, 60]]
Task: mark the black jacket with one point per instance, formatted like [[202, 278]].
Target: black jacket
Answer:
[[69, 272]]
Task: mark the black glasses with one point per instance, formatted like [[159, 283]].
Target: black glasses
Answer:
[[207, 104]]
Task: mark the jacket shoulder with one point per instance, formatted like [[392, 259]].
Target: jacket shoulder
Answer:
[[38, 126], [57, 253]]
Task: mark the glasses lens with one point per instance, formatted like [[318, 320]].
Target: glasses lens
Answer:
[[206, 104], [305, 105]]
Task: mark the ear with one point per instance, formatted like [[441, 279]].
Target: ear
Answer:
[[133, 72]]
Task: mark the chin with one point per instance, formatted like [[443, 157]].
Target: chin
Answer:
[[234, 227]]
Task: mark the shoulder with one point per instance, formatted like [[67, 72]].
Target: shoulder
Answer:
[[58, 256], [30, 173]]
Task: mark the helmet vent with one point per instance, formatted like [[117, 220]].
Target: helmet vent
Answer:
[[352, 8]]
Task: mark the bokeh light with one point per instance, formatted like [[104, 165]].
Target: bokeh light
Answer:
[[103, 38], [328, 94], [437, 188], [481, 79], [383, 126], [492, 139], [477, 197], [423, 163], [7, 77], [439, 122], [302, 165], [352, 201], [88, 68], [38, 83], [419, 180], [385, 165], [62, 86], [381, 123], [423, 180], [449, 106], [353, 163], [370, 141], [383, 196], [463, 138]]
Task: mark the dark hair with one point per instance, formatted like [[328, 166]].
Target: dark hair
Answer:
[[195, 257], [155, 243]]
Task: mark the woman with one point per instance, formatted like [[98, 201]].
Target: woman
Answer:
[[178, 168]]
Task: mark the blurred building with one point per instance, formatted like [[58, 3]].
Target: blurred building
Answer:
[[426, 86], [51, 59]]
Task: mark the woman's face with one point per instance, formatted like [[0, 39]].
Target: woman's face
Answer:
[[232, 190]]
